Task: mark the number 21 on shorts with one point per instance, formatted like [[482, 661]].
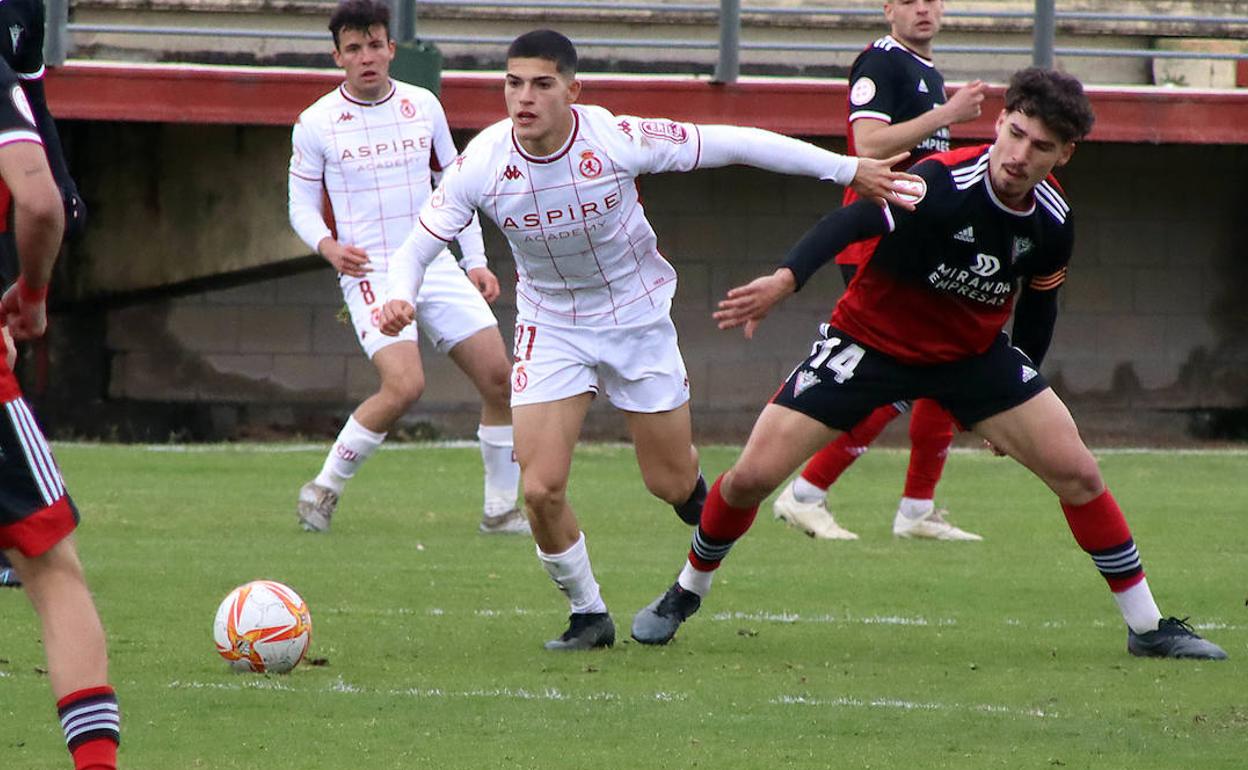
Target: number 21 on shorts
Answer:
[[840, 362], [523, 350]]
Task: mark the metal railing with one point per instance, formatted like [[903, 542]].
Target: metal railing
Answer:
[[729, 44]]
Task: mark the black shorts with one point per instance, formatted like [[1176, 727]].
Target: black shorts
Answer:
[[35, 511], [843, 381]]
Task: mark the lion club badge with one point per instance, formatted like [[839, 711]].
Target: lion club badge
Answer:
[[408, 109], [519, 379], [590, 166]]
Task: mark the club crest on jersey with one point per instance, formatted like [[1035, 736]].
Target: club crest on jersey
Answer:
[[1022, 245], [803, 381], [985, 265], [407, 109], [519, 379], [666, 130], [862, 92], [590, 167], [15, 33], [512, 173]]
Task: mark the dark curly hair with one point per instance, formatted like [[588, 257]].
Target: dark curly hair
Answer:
[[546, 44], [1053, 97], [359, 15]]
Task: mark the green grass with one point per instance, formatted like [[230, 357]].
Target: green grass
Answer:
[[875, 654]]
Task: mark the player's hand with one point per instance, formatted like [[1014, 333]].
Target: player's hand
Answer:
[[395, 316], [967, 102], [747, 305], [25, 313], [877, 180], [348, 260], [486, 282]]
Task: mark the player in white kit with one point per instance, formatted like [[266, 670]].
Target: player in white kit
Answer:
[[594, 293], [373, 147]]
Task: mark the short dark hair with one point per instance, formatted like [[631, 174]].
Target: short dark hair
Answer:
[[545, 44], [1053, 97], [359, 15]]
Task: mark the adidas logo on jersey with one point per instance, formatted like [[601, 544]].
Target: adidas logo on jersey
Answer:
[[923, 87], [966, 235], [1028, 373], [512, 173], [804, 380]]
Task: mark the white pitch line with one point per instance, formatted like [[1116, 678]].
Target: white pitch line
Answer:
[[905, 705], [552, 694], [781, 617]]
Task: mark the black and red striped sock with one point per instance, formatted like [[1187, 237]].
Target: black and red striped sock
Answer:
[[722, 525], [92, 726], [1100, 529]]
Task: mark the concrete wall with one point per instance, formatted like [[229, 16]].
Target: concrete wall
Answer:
[[1153, 316]]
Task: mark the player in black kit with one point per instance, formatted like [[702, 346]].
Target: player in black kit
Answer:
[[23, 52], [924, 319]]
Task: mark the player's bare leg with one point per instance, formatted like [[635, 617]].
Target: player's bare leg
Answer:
[[781, 441], [74, 643], [1042, 435], [668, 460], [546, 436], [484, 359], [402, 383]]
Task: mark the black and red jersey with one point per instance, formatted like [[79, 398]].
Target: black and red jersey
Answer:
[[891, 83], [941, 282]]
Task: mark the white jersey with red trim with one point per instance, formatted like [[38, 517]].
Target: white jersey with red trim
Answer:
[[585, 253], [377, 162]]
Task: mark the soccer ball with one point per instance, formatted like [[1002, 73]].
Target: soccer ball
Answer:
[[262, 626]]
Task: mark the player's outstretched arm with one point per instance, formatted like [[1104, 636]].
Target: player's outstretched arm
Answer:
[[749, 304], [733, 145]]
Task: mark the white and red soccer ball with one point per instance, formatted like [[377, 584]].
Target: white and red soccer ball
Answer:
[[262, 626]]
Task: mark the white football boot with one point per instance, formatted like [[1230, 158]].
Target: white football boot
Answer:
[[316, 507], [930, 526], [812, 518], [501, 517]]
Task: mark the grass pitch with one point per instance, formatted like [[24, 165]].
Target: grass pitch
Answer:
[[876, 654]]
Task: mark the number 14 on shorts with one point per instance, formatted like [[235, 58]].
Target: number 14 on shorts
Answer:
[[841, 362]]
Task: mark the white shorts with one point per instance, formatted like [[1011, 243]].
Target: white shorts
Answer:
[[638, 367], [449, 309]]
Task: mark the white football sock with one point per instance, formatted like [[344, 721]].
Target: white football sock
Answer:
[[693, 579], [574, 576], [502, 472], [805, 492], [914, 508], [354, 445], [1138, 607]]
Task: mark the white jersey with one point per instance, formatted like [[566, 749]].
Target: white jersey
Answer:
[[377, 161], [585, 253]]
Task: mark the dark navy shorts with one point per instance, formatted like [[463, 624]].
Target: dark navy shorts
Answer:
[[843, 381]]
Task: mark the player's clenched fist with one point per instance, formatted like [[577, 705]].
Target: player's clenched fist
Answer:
[[395, 316]]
